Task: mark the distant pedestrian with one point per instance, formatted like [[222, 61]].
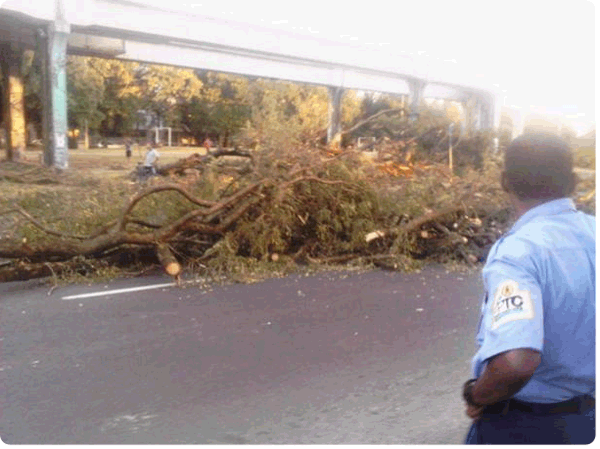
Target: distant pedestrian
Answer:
[[128, 150], [207, 144]]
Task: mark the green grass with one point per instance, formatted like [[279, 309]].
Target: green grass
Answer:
[[97, 159]]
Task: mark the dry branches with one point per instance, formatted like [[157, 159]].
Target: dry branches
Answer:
[[307, 209], [211, 218]]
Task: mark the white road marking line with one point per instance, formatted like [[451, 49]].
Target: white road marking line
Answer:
[[123, 290]]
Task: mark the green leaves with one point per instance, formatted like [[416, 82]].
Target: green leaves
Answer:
[[85, 87]]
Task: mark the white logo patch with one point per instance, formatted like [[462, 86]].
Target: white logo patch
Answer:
[[511, 304]]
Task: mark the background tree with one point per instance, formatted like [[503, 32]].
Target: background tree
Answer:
[[162, 88], [32, 80], [453, 111], [376, 115], [85, 92], [220, 110], [109, 94], [538, 123]]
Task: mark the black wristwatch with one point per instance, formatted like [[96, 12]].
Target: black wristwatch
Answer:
[[468, 393]]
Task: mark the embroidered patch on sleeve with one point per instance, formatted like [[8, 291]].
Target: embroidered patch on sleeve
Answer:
[[511, 304]]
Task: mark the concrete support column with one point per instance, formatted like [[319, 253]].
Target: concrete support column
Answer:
[[477, 116], [467, 124], [334, 130], [417, 87], [53, 43], [473, 114], [498, 101], [403, 106], [464, 128], [518, 123], [13, 99], [486, 114]]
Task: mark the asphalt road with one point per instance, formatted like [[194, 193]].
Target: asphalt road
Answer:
[[348, 358]]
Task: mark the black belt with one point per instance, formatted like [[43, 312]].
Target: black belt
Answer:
[[577, 404]]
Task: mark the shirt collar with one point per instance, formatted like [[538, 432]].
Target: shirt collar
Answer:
[[545, 209]]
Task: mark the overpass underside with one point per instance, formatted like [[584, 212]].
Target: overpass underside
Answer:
[[54, 40]]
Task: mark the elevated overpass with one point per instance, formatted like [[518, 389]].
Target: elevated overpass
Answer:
[[132, 30]]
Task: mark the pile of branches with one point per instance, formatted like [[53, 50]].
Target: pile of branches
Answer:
[[305, 205], [309, 209], [207, 219]]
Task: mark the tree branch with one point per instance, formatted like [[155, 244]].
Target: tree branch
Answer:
[[136, 199], [370, 118], [38, 225]]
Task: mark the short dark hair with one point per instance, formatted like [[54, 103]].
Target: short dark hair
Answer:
[[539, 166]]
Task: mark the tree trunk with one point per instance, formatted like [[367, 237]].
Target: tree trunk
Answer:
[[14, 100], [167, 260], [86, 136]]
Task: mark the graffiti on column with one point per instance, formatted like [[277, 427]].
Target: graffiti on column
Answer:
[[60, 140], [335, 114], [58, 87], [59, 69], [416, 88]]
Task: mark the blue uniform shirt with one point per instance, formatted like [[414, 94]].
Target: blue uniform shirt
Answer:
[[540, 282]]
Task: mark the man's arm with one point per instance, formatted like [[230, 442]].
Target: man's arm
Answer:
[[504, 375]]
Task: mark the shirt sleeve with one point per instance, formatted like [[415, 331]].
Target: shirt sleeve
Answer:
[[513, 314]]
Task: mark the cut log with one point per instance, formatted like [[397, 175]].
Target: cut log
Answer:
[[374, 235], [22, 272], [168, 260], [197, 161]]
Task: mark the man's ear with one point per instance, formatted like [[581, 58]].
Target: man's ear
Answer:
[[504, 182], [572, 183]]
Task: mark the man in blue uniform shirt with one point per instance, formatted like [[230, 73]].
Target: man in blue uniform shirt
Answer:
[[534, 371]]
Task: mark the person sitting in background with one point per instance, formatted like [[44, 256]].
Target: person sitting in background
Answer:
[[150, 159]]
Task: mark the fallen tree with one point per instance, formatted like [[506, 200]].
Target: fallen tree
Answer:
[[220, 216], [303, 205], [198, 162], [309, 209]]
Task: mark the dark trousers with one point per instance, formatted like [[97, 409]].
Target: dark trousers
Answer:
[[519, 427]]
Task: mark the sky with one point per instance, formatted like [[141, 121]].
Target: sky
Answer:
[[541, 53]]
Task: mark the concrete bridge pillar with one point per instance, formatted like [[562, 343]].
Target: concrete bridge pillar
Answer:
[[13, 99], [477, 114], [334, 136], [473, 115], [518, 123], [464, 129], [416, 87], [487, 113], [498, 103], [52, 43]]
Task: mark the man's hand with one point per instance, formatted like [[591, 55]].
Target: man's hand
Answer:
[[474, 412], [504, 375]]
